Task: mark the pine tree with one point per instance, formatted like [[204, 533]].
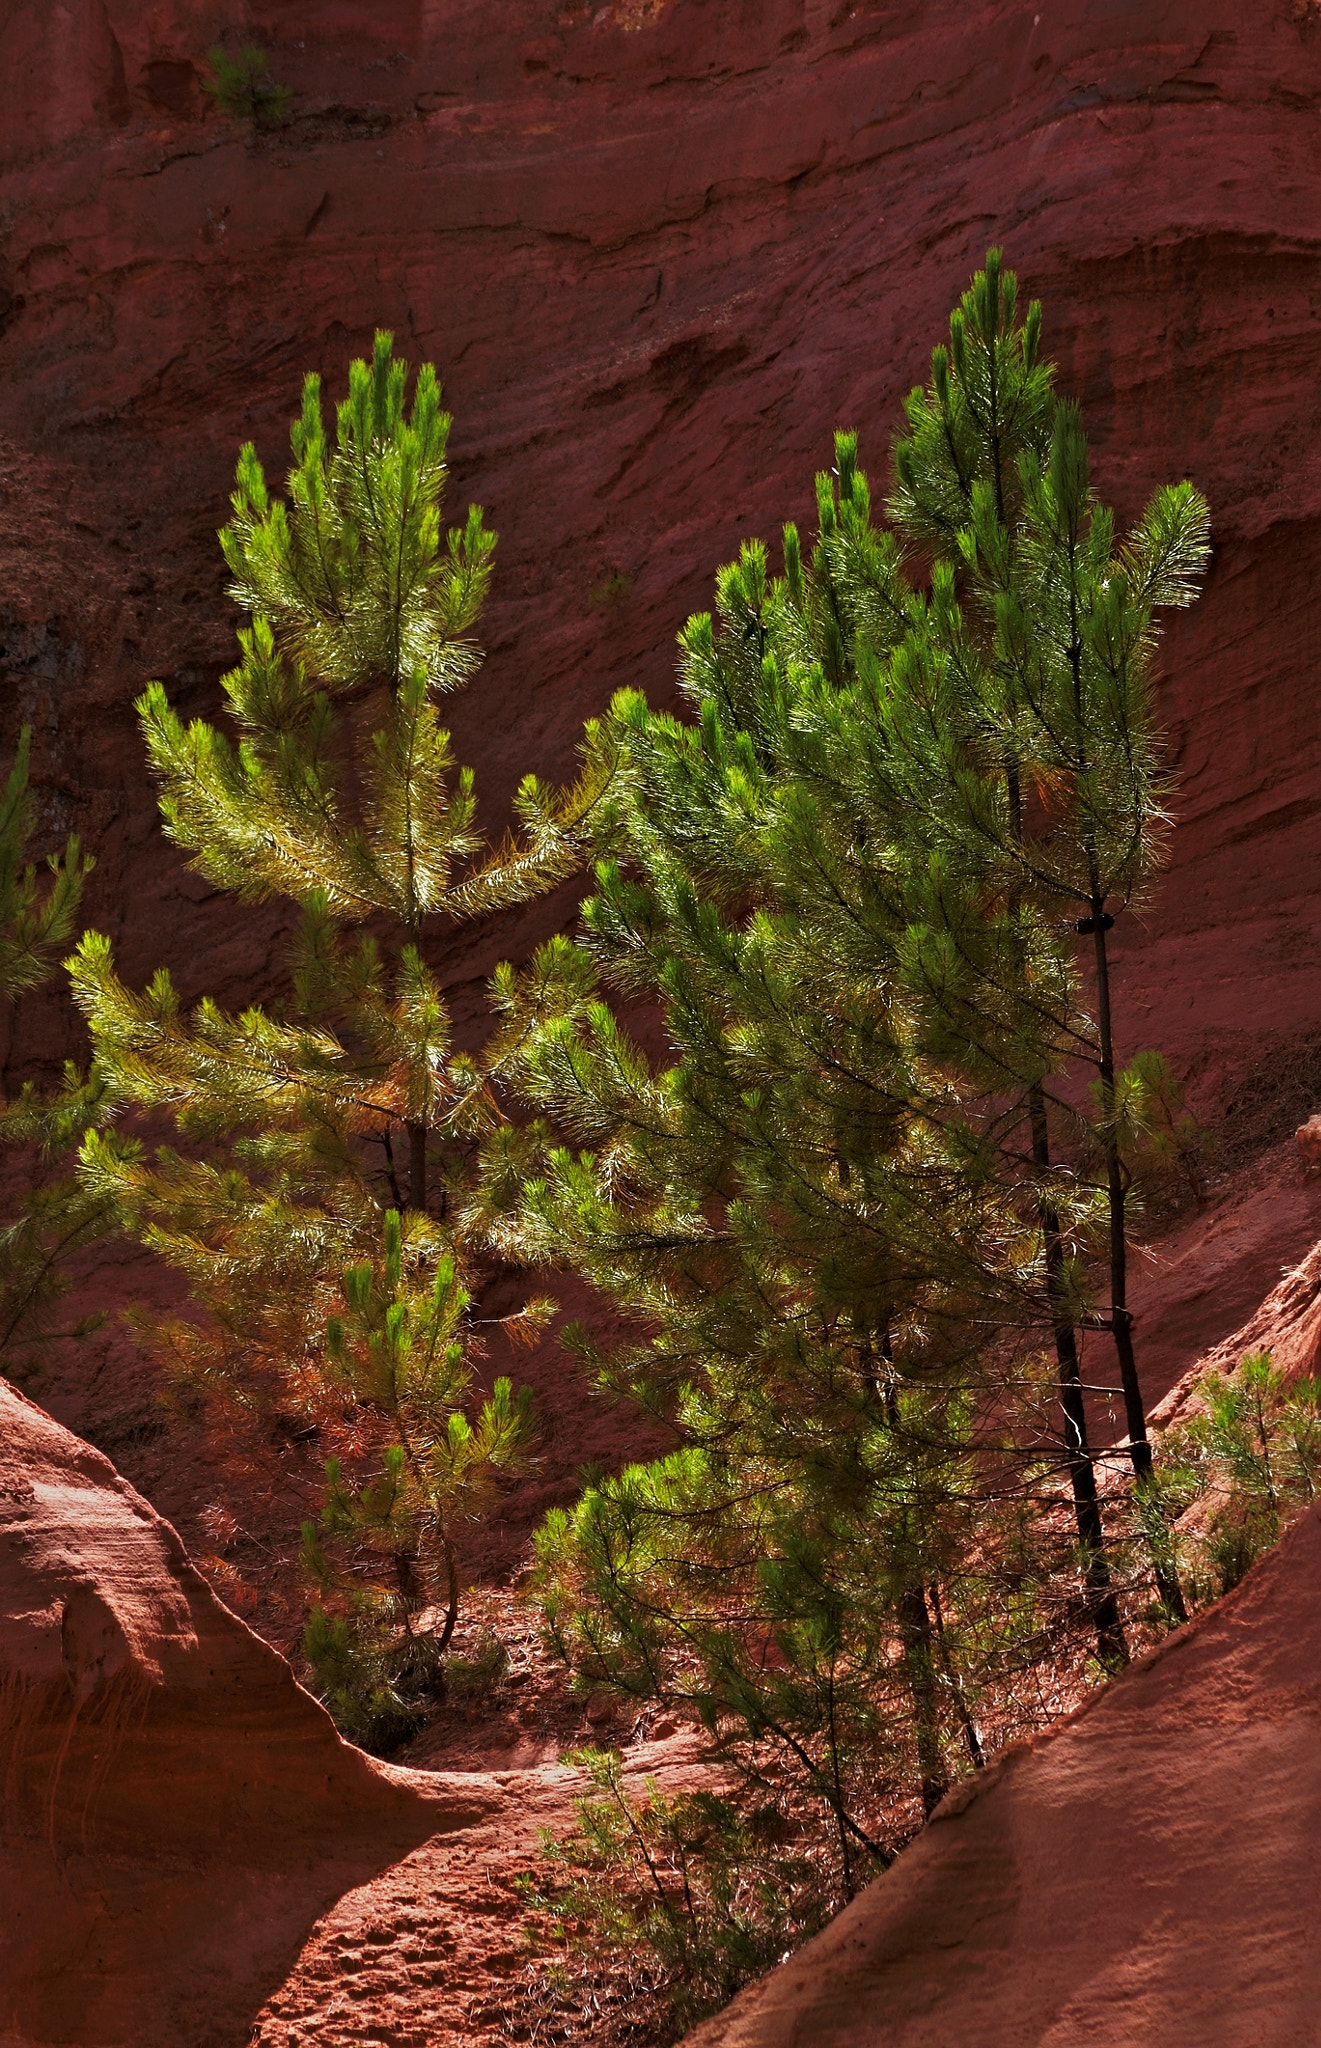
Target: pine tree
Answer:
[[800, 1208], [401, 1350], [305, 1125], [994, 477], [835, 1200], [989, 405], [56, 1215]]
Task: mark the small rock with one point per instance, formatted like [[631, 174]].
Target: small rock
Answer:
[[1308, 1139]]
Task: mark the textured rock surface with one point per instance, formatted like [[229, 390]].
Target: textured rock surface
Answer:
[[434, 1953], [1205, 1276], [1147, 1872], [659, 249], [1287, 1324], [174, 1810]]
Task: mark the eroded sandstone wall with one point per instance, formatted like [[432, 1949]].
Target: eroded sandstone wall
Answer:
[[174, 1810], [659, 249]]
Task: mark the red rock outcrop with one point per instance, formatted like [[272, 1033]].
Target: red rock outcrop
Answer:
[[1146, 1872], [1205, 1275], [1287, 1324], [175, 1812]]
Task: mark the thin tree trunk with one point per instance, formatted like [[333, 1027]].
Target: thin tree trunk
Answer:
[[452, 1609], [838, 1797], [969, 1726], [405, 1576], [1121, 1324], [417, 1166], [1121, 1321], [1082, 1470], [919, 1665]]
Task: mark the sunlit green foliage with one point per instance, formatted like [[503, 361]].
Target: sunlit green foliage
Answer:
[[1047, 627], [1247, 1463], [303, 1123], [849, 879], [399, 1352]]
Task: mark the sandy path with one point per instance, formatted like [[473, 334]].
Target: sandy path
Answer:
[[422, 1957]]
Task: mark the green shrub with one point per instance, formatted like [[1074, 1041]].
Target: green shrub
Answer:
[[693, 1889], [378, 1685], [1254, 1454], [242, 86]]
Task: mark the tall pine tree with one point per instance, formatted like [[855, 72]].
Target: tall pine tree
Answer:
[[306, 1124], [799, 1208], [836, 1202], [993, 476]]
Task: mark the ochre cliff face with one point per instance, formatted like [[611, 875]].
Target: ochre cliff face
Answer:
[[174, 1811], [658, 251]]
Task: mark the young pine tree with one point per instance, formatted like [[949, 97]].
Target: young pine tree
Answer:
[[838, 1198], [799, 1210], [400, 1350], [306, 1124], [903, 781], [994, 478]]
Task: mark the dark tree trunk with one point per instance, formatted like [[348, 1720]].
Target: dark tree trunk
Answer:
[[1110, 1639], [1121, 1321], [1082, 1470], [410, 1593], [966, 1722], [919, 1665], [452, 1599]]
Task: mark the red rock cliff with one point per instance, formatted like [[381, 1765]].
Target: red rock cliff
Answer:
[[659, 248]]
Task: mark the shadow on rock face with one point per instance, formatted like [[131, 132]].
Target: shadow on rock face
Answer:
[[175, 1811]]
